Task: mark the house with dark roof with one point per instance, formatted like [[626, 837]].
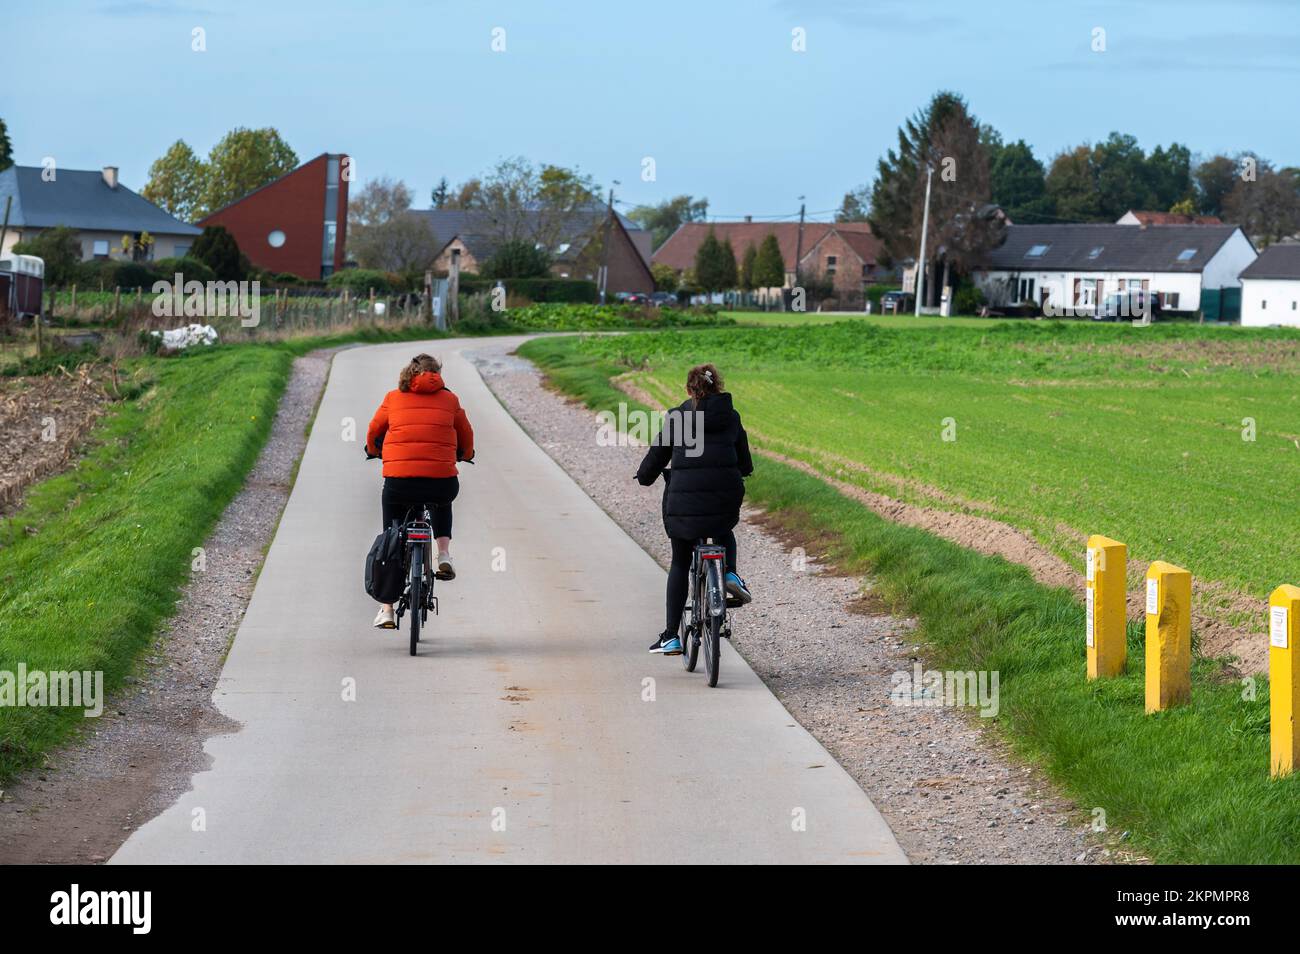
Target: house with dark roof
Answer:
[[845, 253], [1068, 269], [1270, 288], [573, 242], [96, 205]]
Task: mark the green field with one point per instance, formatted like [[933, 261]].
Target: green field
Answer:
[[768, 319], [1132, 432], [1061, 430]]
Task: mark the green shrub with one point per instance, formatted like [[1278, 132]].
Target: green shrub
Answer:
[[192, 269], [517, 259], [967, 299], [112, 274], [558, 290]]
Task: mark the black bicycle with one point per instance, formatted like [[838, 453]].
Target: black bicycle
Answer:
[[705, 622], [417, 541]]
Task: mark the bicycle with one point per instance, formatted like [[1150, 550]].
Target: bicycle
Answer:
[[417, 539], [705, 621]]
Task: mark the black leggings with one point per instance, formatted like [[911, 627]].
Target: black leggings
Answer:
[[679, 573], [403, 494]]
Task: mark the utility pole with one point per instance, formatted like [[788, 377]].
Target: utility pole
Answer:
[[798, 246], [604, 245], [925, 228]]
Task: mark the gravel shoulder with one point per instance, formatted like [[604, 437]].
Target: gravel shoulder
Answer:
[[139, 756], [949, 788]]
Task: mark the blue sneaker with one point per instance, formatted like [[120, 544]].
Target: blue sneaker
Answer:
[[737, 592], [668, 644]]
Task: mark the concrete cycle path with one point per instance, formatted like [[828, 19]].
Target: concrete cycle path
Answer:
[[533, 726]]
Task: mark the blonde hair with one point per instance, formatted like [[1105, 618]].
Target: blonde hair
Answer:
[[419, 364]]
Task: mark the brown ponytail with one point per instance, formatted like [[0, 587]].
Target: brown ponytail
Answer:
[[419, 364], [703, 380]]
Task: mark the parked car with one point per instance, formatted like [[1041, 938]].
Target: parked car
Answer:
[[897, 302], [636, 298], [1122, 306], [663, 299]]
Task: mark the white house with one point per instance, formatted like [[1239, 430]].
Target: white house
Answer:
[[1270, 288], [1068, 269]]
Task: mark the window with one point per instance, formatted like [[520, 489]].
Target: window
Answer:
[[1087, 294], [1096, 251], [831, 261], [1186, 255], [1169, 300], [1037, 251], [101, 248], [866, 271], [275, 239], [180, 251], [1026, 290], [1263, 304]]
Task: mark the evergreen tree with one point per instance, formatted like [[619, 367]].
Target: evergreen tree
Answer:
[[769, 266]]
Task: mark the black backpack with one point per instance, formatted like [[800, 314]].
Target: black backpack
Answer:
[[384, 578]]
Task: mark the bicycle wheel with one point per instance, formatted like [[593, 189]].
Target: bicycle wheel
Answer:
[[712, 646], [688, 632], [417, 594]]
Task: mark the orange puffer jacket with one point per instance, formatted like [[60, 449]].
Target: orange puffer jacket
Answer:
[[421, 431]]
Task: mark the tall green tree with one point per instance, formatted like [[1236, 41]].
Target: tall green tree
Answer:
[[1215, 178], [1019, 182], [1119, 170], [1169, 174], [730, 271], [6, 148], [769, 265], [243, 161], [177, 182], [218, 249], [898, 192], [711, 264], [440, 193], [1072, 188], [664, 219], [747, 261]]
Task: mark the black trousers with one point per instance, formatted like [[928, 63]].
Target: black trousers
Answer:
[[405, 497], [679, 573]]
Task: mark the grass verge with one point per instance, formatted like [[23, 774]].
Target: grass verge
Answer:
[[93, 562], [1191, 785]]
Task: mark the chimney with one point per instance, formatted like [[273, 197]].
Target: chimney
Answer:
[[749, 218], [110, 176]]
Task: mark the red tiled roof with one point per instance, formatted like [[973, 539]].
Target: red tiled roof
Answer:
[[679, 251]]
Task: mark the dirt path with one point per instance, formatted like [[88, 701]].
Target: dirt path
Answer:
[[949, 790], [137, 757]]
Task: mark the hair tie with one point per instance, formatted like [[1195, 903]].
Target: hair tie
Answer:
[[708, 376]]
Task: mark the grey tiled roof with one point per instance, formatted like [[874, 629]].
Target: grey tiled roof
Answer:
[[479, 235], [82, 200], [1074, 247], [1276, 261]]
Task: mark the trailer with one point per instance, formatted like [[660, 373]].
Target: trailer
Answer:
[[22, 286]]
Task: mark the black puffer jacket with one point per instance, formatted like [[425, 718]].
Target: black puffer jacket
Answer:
[[705, 490]]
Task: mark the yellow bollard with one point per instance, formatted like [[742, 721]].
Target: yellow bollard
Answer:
[[1107, 615], [1169, 636], [1283, 678]]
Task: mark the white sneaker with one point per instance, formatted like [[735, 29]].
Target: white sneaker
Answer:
[[385, 619], [445, 570]]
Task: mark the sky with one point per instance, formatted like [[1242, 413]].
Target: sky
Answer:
[[748, 104]]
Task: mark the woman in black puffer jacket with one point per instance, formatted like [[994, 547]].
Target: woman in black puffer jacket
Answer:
[[708, 450]]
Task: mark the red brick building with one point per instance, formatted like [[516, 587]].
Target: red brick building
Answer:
[[844, 253], [296, 224]]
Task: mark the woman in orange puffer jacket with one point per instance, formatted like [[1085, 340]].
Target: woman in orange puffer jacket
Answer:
[[422, 431]]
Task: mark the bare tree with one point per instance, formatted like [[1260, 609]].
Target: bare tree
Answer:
[[522, 202], [382, 231], [1267, 206]]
